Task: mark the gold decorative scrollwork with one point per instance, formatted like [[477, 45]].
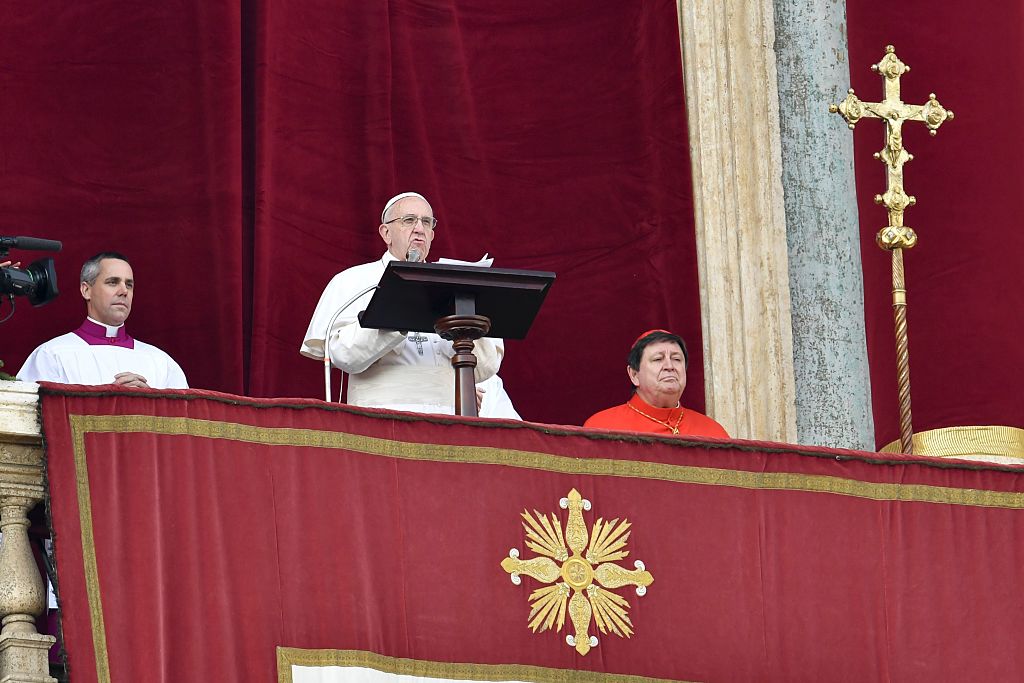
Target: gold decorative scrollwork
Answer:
[[896, 237], [934, 114], [897, 200], [851, 109], [891, 66]]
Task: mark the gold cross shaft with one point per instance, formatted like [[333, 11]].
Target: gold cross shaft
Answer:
[[895, 237]]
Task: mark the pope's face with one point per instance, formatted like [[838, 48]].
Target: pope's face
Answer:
[[401, 238], [662, 375], [109, 298]]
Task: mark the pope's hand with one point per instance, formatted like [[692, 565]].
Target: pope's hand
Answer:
[[131, 379], [479, 398]]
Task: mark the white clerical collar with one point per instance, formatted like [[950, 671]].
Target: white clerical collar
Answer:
[[388, 258], [111, 330]]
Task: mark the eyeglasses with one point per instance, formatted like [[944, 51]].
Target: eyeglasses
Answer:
[[409, 221]]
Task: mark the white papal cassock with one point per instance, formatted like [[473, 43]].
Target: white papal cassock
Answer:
[[388, 369]]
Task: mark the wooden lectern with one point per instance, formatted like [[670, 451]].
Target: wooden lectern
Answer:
[[461, 304]]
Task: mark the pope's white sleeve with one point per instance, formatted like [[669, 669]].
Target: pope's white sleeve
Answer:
[[354, 348], [496, 401], [489, 353]]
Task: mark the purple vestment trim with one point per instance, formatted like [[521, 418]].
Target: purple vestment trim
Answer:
[[96, 335]]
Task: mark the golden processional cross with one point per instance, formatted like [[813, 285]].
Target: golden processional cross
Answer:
[[896, 236]]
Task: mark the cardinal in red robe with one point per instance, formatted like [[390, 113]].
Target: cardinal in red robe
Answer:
[[657, 368]]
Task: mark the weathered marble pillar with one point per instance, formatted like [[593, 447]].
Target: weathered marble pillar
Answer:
[[23, 651], [732, 107], [826, 283]]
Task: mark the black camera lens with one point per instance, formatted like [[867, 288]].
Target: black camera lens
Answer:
[[38, 281]]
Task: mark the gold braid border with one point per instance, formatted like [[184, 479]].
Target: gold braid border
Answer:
[[90, 565], [484, 455], [290, 656]]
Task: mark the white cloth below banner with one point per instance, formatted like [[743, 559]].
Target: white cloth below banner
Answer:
[[357, 674]]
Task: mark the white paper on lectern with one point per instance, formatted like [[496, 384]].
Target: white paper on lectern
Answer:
[[484, 262]]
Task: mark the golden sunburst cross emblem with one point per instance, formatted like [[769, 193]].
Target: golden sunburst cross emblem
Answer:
[[589, 576]]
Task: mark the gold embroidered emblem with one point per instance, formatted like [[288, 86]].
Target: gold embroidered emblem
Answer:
[[587, 576]]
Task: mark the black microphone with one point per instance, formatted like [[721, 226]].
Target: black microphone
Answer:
[[30, 244]]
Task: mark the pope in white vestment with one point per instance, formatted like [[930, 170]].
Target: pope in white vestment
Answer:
[[387, 368]]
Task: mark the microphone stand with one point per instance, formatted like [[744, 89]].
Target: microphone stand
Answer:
[[327, 335]]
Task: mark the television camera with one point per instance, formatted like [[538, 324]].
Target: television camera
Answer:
[[37, 281]]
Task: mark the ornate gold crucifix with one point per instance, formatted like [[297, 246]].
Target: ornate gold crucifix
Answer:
[[896, 236]]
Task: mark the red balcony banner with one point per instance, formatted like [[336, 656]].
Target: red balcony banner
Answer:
[[209, 537]]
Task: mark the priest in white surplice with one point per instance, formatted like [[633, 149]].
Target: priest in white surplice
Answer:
[[100, 351], [390, 369]]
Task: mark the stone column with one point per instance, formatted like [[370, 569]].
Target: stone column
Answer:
[[23, 651], [732, 107], [826, 283]]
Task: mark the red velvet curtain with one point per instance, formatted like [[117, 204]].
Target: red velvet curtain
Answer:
[[240, 154], [120, 129], [963, 290]]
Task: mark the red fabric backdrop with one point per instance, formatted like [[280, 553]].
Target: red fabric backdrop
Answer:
[[963, 290], [239, 154]]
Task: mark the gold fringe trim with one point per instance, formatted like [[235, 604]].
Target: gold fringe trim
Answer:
[[967, 442], [292, 656]]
